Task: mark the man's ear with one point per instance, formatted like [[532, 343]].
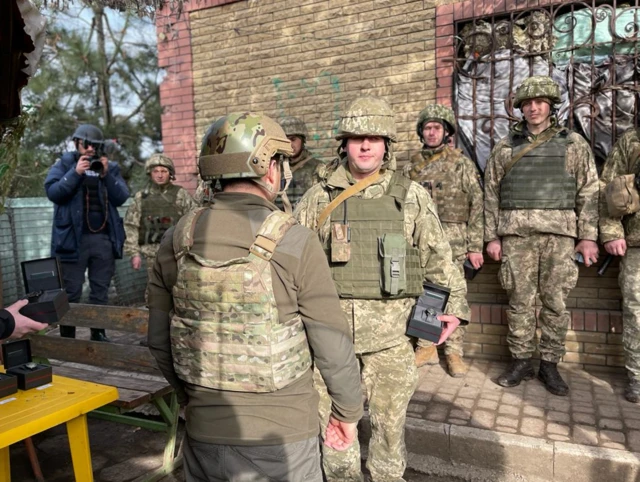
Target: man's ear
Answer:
[[271, 177]]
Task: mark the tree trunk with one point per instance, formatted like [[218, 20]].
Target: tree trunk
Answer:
[[103, 73]]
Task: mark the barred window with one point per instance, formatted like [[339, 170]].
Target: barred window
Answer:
[[590, 48]]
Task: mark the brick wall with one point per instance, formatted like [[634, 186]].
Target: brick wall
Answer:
[[310, 58]]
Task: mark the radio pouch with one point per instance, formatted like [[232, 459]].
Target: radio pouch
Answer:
[[392, 249]]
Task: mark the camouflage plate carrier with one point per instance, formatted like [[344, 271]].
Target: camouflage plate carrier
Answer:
[[225, 333], [158, 213]]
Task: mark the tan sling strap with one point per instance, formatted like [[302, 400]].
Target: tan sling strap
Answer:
[[539, 141], [346, 194], [417, 168]]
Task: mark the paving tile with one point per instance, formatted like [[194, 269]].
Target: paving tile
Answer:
[[507, 421], [612, 445], [460, 413], [559, 438], [533, 411], [633, 440], [483, 419], [610, 411], [501, 428], [487, 404], [584, 418], [458, 421], [511, 399], [584, 434], [559, 404], [631, 423], [583, 409], [464, 402], [416, 408], [610, 423], [612, 436], [558, 417], [509, 410], [532, 426], [436, 412], [557, 429]]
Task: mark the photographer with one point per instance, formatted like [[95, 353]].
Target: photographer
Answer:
[[87, 230]]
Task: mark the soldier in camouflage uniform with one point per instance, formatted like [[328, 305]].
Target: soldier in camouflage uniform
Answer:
[[237, 317], [541, 194], [453, 181], [154, 210], [304, 166], [621, 237], [376, 210]]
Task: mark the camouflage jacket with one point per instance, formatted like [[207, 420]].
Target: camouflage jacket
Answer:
[[581, 222], [132, 223], [380, 324], [623, 159], [463, 237], [305, 175]]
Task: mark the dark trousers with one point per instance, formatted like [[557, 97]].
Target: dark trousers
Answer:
[[96, 255], [292, 462]]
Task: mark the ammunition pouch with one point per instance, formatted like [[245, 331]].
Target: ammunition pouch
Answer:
[[622, 196]]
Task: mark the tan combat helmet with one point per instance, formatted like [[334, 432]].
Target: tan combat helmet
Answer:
[[439, 113], [156, 160], [537, 87], [368, 116], [240, 146], [294, 127]]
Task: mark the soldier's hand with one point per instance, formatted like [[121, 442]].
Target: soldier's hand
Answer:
[[494, 249], [136, 262], [476, 259], [589, 250], [83, 164], [450, 324], [340, 435], [617, 247], [23, 324]]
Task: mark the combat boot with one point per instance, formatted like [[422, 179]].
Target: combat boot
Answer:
[[98, 334], [456, 365], [520, 369], [632, 391], [426, 355], [67, 331], [553, 382]]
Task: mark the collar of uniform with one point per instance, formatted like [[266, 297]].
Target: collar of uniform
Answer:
[[341, 178], [520, 129], [155, 188], [304, 154], [240, 201], [428, 152]]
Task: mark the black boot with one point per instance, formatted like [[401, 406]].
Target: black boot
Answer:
[[632, 392], [67, 331], [519, 370], [553, 382], [98, 334]]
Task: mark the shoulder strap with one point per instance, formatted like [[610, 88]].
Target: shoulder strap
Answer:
[[547, 136], [183, 234], [415, 169], [361, 185], [399, 187], [270, 233]]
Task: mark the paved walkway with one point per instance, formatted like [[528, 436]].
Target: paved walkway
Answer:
[[595, 413]]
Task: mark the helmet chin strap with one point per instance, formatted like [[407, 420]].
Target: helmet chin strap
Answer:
[[288, 175]]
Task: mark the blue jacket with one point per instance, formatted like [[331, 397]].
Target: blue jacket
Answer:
[[64, 188]]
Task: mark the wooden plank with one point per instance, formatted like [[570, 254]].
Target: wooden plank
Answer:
[[101, 354], [153, 387], [120, 318]]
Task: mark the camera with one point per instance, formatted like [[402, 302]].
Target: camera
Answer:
[[95, 164]]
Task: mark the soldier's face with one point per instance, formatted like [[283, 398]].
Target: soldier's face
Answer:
[[365, 155], [296, 145], [433, 134], [536, 111], [160, 175]]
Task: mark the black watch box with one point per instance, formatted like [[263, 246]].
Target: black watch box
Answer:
[[48, 301], [8, 385], [423, 322], [17, 362]]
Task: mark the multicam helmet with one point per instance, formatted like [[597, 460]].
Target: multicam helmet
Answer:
[[436, 112], [160, 160], [535, 87], [241, 145], [294, 127], [88, 132], [367, 116]]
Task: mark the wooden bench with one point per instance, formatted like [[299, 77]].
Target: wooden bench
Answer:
[[124, 363]]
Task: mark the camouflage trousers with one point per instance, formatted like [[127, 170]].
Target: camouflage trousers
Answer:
[[629, 280], [455, 343], [544, 263], [390, 377], [148, 252]]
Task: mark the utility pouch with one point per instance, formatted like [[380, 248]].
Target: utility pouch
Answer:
[[340, 243], [392, 249], [622, 196]]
